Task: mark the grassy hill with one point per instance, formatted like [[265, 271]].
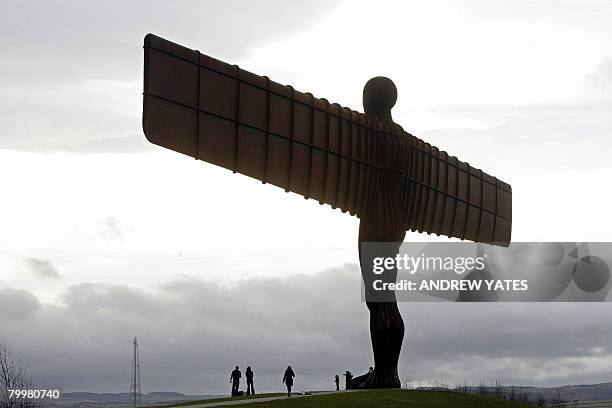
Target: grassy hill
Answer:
[[386, 399]]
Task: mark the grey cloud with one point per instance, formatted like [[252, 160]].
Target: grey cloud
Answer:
[[70, 40], [16, 305], [192, 332], [71, 73], [42, 268]]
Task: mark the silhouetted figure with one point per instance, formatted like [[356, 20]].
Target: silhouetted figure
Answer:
[[235, 380], [349, 378], [288, 379], [337, 381], [249, 378]]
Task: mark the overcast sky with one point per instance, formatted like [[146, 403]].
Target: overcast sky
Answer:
[[104, 236]]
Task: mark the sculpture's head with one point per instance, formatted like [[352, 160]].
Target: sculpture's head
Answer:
[[379, 96]]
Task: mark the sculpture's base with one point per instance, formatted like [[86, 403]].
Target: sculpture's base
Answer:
[[377, 379]]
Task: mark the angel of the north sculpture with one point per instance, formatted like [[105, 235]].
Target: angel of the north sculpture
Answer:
[[363, 164]]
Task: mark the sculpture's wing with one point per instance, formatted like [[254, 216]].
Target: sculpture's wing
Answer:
[[219, 113], [216, 112], [445, 196]]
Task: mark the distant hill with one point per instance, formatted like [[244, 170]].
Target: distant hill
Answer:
[[589, 392], [121, 399], [569, 393]]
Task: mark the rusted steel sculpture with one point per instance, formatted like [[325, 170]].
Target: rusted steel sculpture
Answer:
[[363, 164]]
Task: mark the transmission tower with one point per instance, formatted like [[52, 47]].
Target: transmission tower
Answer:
[[135, 395]]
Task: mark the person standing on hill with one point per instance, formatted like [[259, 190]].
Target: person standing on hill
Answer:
[[288, 379], [235, 380], [337, 381], [349, 378], [249, 378]]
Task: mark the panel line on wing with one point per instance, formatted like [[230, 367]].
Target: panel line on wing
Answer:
[[235, 169], [292, 138], [267, 153], [197, 150], [326, 156], [308, 183]]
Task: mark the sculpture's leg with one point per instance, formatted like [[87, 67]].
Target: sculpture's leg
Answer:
[[386, 324]]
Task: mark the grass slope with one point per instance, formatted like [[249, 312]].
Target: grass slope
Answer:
[[391, 399], [374, 398]]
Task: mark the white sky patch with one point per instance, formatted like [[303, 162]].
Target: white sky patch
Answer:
[[440, 52], [182, 217], [424, 120]]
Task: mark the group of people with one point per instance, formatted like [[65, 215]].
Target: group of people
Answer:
[[236, 375], [287, 380], [235, 381]]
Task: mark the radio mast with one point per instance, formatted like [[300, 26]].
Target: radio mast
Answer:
[[135, 395]]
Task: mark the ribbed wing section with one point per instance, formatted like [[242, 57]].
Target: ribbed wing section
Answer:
[[219, 113], [446, 196]]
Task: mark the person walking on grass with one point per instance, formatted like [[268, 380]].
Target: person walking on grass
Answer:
[[249, 378], [235, 380], [288, 379]]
